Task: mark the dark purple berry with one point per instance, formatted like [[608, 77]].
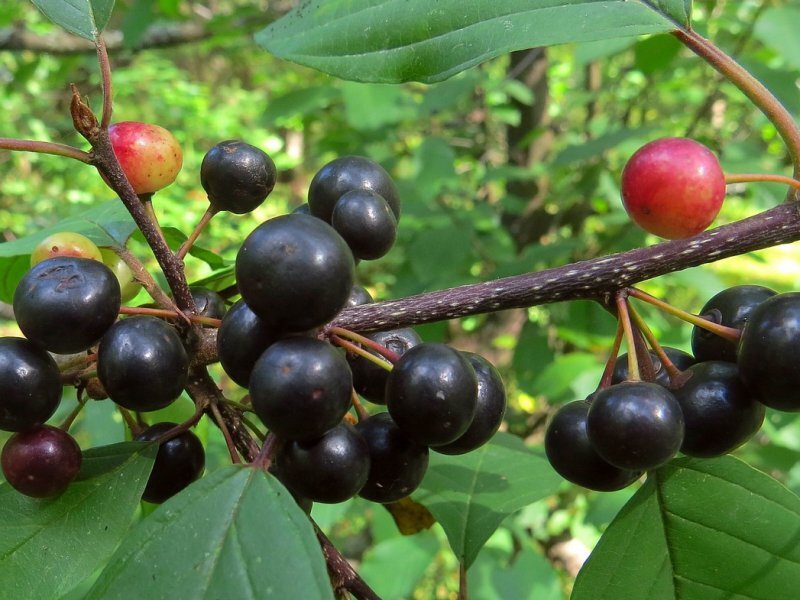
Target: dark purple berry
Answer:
[[41, 462], [241, 340], [369, 379], [682, 361], [366, 222], [209, 303]]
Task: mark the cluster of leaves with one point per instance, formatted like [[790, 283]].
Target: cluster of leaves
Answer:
[[448, 144]]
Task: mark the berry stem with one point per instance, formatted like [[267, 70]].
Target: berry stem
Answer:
[[343, 575], [359, 408], [225, 433], [359, 351], [675, 374], [168, 314], [751, 87], [45, 148], [729, 333], [187, 245], [67, 423], [621, 300], [761, 177], [392, 357], [180, 428], [133, 426], [608, 372], [79, 361], [105, 76], [267, 452], [253, 428]]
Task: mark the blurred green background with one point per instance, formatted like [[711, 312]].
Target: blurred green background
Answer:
[[514, 165]]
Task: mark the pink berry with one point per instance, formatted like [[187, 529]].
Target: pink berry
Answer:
[[149, 155], [673, 187]]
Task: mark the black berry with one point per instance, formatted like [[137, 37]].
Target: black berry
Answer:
[[682, 361], [66, 303], [366, 222], [30, 384], [369, 379], [142, 363], [179, 461], [41, 462], [209, 303], [236, 176], [241, 339]]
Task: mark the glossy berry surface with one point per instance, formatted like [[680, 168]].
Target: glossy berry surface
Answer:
[[570, 453], [300, 387], [345, 174], [330, 469], [149, 155], [682, 360], [295, 271], [369, 379], [397, 463], [41, 462], [719, 411], [730, 307], [635, 425], [241, 339], [66, 304], [358, 296], [209, 303], [673, 187], [431, 393], [65, 243], [179, 461], [769, 349], [489, 410], [236, 176], [366, 222], [30, 384], [128, 285], [142, 363]]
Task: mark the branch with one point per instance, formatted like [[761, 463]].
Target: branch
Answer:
[[592, 278]]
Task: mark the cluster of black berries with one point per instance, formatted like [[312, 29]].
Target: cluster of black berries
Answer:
[[295, 273], [717, 403]]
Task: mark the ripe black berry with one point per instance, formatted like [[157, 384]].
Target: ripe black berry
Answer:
[[768, 351], [300, 387], [730, 307], [489, 411], [142, 363], [295, 270], [397, 463], [719, 411], [236, 176], [209, 303], [567, 446], [682, 361], [345, 174], [635, 425], [241, 339], [41, 462], [179, 462], [358, 296], [431, 393], [66, 303], [329, 469], [369, 379], [366, 222], [30, 384]]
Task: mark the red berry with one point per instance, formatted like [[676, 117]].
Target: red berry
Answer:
[[673, 187], [41, 462], [149, 155]]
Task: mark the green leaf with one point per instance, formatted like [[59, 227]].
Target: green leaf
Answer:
[[777, 28], [391, 41], [236, 533], [106, 224], [699, 529], [471, 494], [394, 579], [85, 18], [49, 546], [679, 11]]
